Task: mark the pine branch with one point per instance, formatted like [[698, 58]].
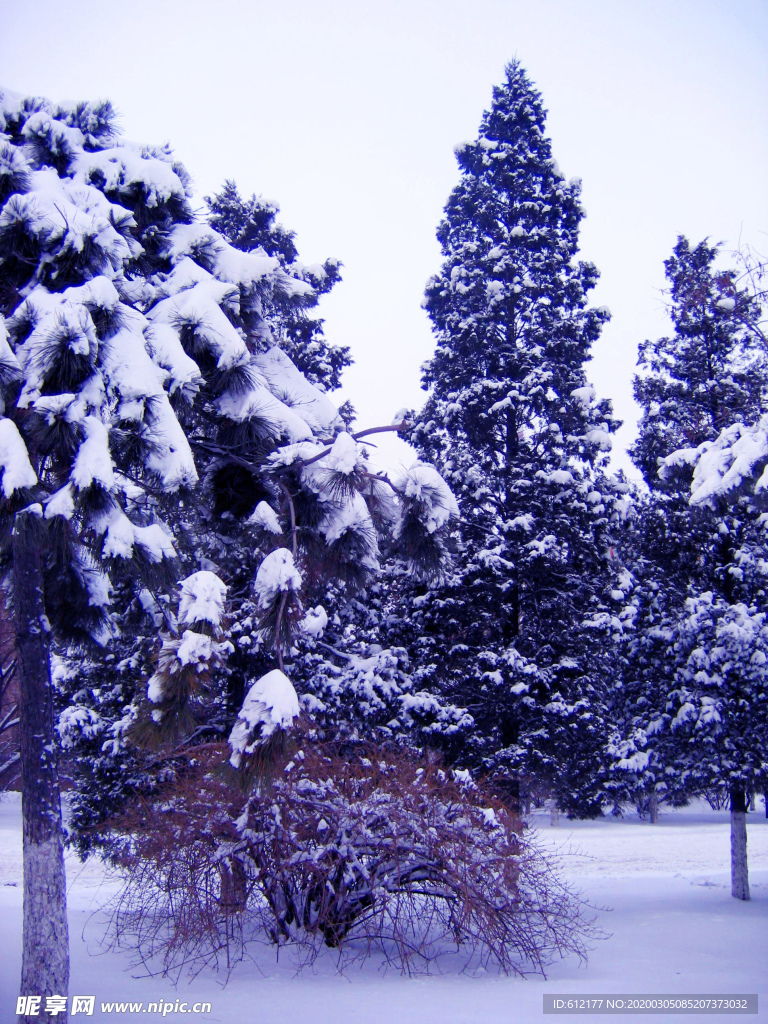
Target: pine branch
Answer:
[[12, 761], [292, 509], [301, 463], [278, 625], [8, 721], [334, 650]]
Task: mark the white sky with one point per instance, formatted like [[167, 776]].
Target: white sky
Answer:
[[346, 113]]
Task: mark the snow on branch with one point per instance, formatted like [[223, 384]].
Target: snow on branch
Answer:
[[202, 599], [14, 459], [270, 705], [276, 574], [737, 458], [427, 489]]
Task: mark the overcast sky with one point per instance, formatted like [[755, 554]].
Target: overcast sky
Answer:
[[346, 113]]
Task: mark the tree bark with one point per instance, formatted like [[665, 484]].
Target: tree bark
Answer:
[[653, 808], [45, 952], [739, 873]]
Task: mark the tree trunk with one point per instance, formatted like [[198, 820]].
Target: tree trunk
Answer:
[[739, 875], [45, 953], [554, 812], [653, 808], [511, 628]]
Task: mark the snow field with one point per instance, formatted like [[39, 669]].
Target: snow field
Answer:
[[664, 897]]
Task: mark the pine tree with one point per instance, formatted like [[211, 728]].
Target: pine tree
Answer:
[[516, 634], [89, 442], [133, 336], [703, 577], [251, 226], [283, 486]]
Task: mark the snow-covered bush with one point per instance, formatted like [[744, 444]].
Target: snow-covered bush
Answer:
[[359, 848]]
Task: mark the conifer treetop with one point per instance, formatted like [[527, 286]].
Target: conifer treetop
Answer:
[[251, 225], [509, 304], [709, 374]]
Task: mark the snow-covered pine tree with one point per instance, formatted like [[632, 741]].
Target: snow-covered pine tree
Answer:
[[280, 478], [102, 305], [519, 634], [704, 568], [252, 226], [90, 444], [122, 319]]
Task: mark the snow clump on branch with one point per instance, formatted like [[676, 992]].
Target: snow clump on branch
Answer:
[[271, 704], [737, 458]]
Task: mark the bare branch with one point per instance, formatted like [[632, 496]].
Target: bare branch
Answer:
[[367, 850], [8, 722]]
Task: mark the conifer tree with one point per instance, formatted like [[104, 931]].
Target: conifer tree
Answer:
[[89, 441], [710, 373], [251, 226], [695, 692], [132, 337], [280, 481], [511, 421]]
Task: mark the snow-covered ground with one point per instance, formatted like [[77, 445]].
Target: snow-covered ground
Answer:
[[673, 925]]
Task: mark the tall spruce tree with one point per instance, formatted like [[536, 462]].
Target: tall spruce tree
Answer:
[[695, 717], [518, 634]]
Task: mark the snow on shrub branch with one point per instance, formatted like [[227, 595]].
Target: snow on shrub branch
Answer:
[[360, 849]]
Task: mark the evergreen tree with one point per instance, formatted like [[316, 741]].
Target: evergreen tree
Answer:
[[90, 445], [518, 634], [283, 488], [710, 373], [703, 562], [251, 226], [128, 331]]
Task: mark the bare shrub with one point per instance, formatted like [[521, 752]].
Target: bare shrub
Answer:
[[361, 850], [718, 798]]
